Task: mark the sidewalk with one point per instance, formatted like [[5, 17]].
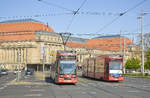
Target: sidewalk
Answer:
[[38, 78]]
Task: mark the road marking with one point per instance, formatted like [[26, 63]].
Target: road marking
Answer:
[[83, 84], [33, 95], [93, 92], [3, 87], [34, 90], [83, 92], [146, 86], [90, 83], [27, 86], [133, 91]]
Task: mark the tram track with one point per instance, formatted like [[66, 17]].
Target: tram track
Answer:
[[77, 85], [99, 86], [89, 85], [107, 92], [113, 84], [90, 82], [88, 93], [53, 93], [66, 92]]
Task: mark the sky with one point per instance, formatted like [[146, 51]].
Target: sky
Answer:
[[94, 16]]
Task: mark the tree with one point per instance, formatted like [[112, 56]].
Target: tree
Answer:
[[147, 63], [132, 63]]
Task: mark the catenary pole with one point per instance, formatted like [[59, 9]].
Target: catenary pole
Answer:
[[142, 41]]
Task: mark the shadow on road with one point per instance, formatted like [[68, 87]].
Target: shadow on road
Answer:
[[48, 80], [101, 80]]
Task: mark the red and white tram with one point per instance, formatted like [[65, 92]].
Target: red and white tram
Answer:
[[65, 68], [106, 67]]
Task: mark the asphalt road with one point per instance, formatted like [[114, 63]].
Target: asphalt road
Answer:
[[85, 88], [4, 79]]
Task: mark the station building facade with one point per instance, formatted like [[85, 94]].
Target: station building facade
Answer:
[[30, 43]]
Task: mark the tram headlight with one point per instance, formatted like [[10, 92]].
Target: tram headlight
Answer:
[[73, 76], [61, 76]]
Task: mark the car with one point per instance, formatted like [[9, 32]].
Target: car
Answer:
[[29, 72], [4, 72], [16, 71]]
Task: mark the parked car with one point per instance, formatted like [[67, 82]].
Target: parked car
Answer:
[[4, 72], [16, 71], [29, 72]]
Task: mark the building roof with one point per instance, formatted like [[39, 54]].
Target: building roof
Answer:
[[76, 45], [108, 36], [111, 44], [108, 43], [76, 40], [19, 21], [23, 25], [26, 29], [14, 30]]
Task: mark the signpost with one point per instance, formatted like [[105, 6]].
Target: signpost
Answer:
[[43, 54]]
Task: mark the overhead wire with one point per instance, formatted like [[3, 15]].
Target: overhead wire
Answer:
[[87, 34], [146, 25], [121, 14], [70, 23], [138, 30], [108, 24], [55, 5], [74, 13], [80, 6], [59, 14], [98, 13], [36, 15], [135, 6], [96, 34]]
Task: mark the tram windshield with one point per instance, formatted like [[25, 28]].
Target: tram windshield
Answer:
[[115, 66], [67, 67]]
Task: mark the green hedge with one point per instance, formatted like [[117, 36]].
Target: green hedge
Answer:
[[136, 75]]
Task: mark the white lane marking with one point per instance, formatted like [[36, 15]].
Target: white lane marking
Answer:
[[3, 87], [83, 92], [33, 95], [133, 91], [34, 90], [90, 83], [146, 86], [93, 92], [28, 86]]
